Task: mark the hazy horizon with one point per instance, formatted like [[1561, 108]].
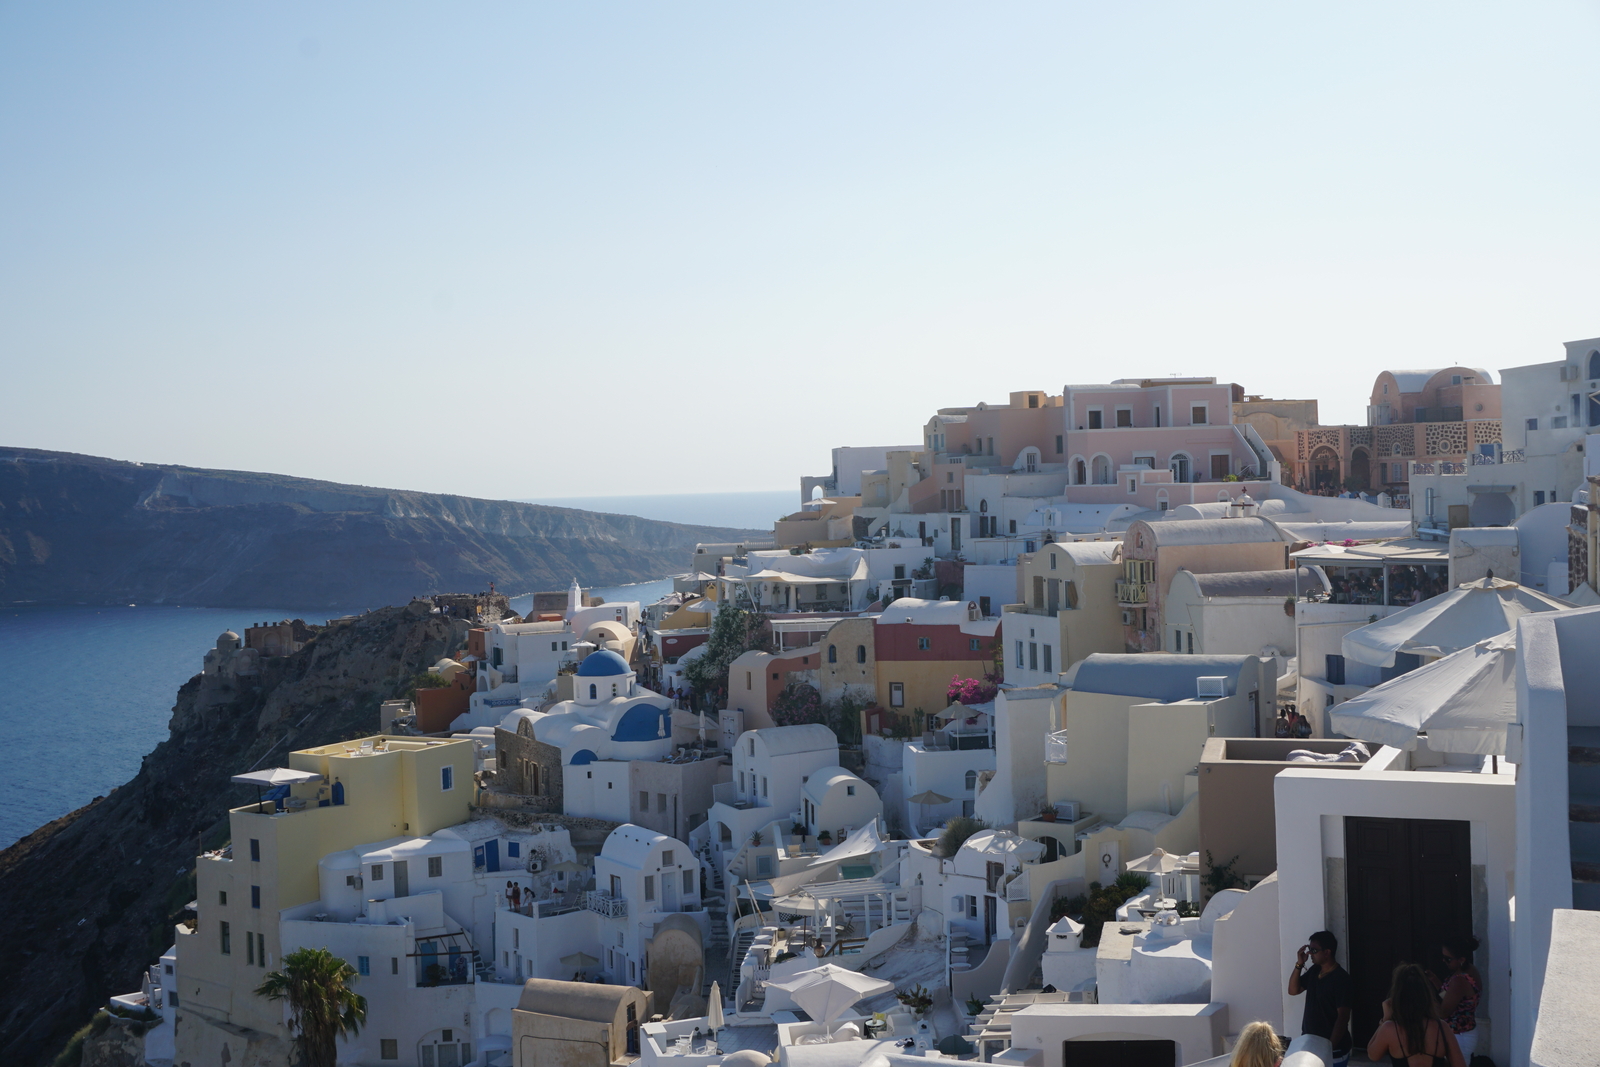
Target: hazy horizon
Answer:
[[365, 243]]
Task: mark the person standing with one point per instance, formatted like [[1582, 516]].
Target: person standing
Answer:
[[1327, 990], [1412, 1034], [1459, 992]]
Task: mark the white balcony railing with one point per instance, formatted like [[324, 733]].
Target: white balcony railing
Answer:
[[605, 904]]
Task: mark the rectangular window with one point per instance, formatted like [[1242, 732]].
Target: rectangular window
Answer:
[[1019, 653], [394, 964], [1033, 655], [513, 849], [1060, 445], [899, 571], [741, 781], [1124, 416], [923, 644], [1190, 637], [1533, 424], [516, 937], [255, 851], [1558, 422], [688, 883], [1052, 561], [388, 1048], [649, 887], [250, 949], [552, 646], [222, 897], [227, 938], [1013, 527], [644, 800], [661, 802], [255, 896], [764, 786], [1047, 659], [974, 644], [435, 866], [897, 695], [377, 872], [447, 779], [666, 858], [364, 965], [749, 683], [1096, 419], [1538, 497], [261, 950], [1197, 414]]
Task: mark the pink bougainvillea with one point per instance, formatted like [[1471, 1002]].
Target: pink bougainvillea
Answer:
[[971, 691]]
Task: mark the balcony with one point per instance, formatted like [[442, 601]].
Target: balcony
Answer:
[[1133, 592], [606, 905]]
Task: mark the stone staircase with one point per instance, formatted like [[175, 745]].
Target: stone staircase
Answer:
[[1583, 814]]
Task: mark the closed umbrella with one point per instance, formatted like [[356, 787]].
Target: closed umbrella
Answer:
[[1457, 619], [714, 1020], [1463, 702], [827, 992]]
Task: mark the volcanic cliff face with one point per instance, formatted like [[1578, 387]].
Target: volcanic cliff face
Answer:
[[76, 529], [90, 899]]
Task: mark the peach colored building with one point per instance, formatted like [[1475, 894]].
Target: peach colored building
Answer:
[[1442, 415]]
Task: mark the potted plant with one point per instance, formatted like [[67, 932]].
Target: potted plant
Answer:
[[1047, 815], [755, 839], [825, 838], [918, 999]]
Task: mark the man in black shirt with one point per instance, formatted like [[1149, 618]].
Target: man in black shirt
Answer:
[[1328, 993]]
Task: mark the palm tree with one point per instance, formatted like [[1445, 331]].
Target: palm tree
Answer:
[[322, 1004]]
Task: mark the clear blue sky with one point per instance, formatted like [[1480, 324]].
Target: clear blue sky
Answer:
[[539, 250]]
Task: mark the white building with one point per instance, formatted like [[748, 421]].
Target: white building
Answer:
[[770, 767], [611, 722], [836, 801]]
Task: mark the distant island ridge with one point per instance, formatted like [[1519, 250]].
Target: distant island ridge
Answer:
[[80, 529]]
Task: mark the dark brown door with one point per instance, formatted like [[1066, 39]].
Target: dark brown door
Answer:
[[1409, 886], [1219, 467], [1119, 1054]]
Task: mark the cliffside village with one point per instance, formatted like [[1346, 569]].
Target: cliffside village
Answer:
[[1050, 739]]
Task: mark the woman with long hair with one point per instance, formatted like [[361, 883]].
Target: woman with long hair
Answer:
[[1412, 1034], [1459, 992], [1258, 1047]]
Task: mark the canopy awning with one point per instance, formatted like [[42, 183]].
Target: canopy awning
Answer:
[[269, 777], [863, 842], [1467, 614], [1463, 702]]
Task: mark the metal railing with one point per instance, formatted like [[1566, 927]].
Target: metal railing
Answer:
[[1055, 747], [605, 904]]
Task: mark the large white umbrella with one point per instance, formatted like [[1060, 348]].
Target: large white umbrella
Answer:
[[1449, 622], [272, 777], [829, 991], [714, 1020], [1463, 702]]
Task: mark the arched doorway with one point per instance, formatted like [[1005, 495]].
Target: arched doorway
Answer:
[[1324, 468], [1080, 475], [1102, 470], [1179, 466], [1360, 470]]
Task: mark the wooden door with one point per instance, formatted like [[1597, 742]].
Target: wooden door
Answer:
[[1119, 1053], [1409, 884], [402, 878]]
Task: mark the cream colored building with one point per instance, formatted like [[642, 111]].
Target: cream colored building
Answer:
[[375, 789], [1067, 610]]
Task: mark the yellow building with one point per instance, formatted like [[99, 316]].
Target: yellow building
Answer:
[[370, 789]]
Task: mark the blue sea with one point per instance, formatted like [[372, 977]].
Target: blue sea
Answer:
[[89, 692]]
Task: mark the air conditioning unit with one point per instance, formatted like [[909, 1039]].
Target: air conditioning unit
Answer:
[[1211, 686], [535, 864], [1067, 810]]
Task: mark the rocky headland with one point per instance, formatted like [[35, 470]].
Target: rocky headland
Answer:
[[91, 898], [79, 529]]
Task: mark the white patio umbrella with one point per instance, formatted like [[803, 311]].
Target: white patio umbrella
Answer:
[[714, 1020], [1467, 614], [1462, 702], [829, 991], [272, 777]]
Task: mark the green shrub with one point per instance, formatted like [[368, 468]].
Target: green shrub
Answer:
[[956, 832], [72, 1055]]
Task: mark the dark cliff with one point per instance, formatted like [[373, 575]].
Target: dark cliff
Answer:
[[77, 529], [90, 899]]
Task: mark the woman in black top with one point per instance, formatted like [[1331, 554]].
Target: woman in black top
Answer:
[[1412, 1034]]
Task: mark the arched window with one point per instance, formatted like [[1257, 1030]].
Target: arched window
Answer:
[[1594, 364], [861, 653], [972, 780], [1102, 470], [594, 691], [833, 654]]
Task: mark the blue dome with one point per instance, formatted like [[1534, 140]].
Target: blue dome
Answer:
[[603, 664]]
